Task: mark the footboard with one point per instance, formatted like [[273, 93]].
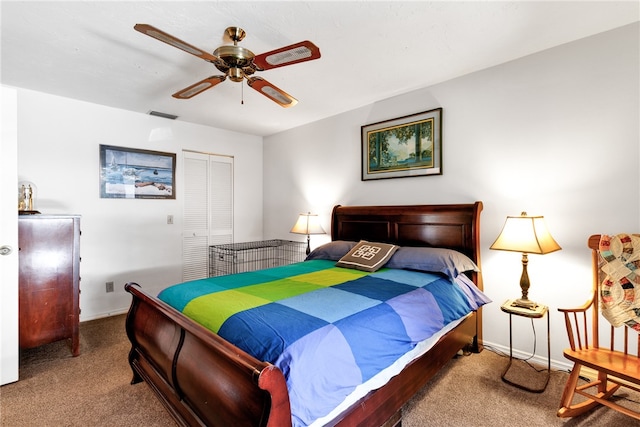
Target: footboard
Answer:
[[199, 377]]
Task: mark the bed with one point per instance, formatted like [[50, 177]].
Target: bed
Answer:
[[202, 379]]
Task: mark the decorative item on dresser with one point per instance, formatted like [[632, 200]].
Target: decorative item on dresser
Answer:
[[27, 195], [203, 379], [49, 280]]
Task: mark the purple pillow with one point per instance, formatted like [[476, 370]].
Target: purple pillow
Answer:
[[331, 251], [434, 260]]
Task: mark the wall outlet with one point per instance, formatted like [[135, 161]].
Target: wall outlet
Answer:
[[169, 219], [109, 286]]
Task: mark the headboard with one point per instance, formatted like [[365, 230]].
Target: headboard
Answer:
[[445, 226]]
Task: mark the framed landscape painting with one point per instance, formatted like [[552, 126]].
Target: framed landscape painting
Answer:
[[130, 173], [403, 147]]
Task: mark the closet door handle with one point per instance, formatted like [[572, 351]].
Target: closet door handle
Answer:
[[5, 250]]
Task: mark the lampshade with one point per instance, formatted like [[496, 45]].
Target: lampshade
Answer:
[[307, 223], [529, 235], [526, 234]]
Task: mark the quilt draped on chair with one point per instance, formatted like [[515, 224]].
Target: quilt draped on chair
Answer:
[[620, 288]]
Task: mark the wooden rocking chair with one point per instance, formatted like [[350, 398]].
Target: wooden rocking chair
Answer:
[[616, 363]]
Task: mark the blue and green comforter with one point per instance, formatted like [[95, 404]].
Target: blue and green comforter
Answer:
[[327, 328]]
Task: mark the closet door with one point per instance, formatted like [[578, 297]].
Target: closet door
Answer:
[[208, 210]]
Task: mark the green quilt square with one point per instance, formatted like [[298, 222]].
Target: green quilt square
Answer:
[[226, 303], [330, 277], [280, 289]]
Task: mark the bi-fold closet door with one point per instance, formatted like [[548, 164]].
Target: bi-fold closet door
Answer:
[[208, 209]]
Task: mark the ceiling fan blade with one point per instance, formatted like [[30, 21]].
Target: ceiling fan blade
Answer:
[[199, 87], [175, 42], [272, 92], [299, 52]]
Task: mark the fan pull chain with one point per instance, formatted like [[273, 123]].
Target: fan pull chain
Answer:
[[242, 95]]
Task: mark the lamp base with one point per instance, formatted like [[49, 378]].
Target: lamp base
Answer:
[[524, 303]]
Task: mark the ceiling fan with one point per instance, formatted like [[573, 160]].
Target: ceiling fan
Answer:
[[238, 63]]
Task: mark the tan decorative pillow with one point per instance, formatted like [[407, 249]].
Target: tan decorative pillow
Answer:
[[367, 256]]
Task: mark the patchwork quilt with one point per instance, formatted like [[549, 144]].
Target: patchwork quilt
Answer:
[[620, 289], [327, 328]]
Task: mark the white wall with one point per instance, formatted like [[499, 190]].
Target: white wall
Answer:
[[123, 240], [555, 134]]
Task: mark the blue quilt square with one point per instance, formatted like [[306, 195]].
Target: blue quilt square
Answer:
[[323, 374], [342, 303], [413, 278], [179, 296], [377, 338], [234, 281], [452, 301], [266, 331], [376, 288], [291, 270], [419, 312]]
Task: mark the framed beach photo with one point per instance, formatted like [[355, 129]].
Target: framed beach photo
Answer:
[[403, 147], [130, 173]]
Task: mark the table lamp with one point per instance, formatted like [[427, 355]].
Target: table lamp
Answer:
[[308, 224], [529, 235]]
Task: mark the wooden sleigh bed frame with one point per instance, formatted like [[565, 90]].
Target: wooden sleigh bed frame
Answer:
[[204, 380]]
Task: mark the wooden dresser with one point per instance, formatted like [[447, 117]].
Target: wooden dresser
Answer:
[[49, 280]]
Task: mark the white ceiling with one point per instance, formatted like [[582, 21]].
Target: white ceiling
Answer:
[[370, 50]]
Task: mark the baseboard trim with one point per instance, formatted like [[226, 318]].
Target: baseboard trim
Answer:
[[106, 314], [536, 359]]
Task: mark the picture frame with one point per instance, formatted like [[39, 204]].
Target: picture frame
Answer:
[[403, 147], [131, 173]]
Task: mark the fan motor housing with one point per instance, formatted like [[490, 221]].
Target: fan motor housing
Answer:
[[234, 56], [238, 61]]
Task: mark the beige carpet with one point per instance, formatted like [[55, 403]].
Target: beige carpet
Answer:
[[470, 392], [93, 389]]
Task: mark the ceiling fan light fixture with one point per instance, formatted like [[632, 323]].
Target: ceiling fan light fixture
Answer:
[[235, 74]]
